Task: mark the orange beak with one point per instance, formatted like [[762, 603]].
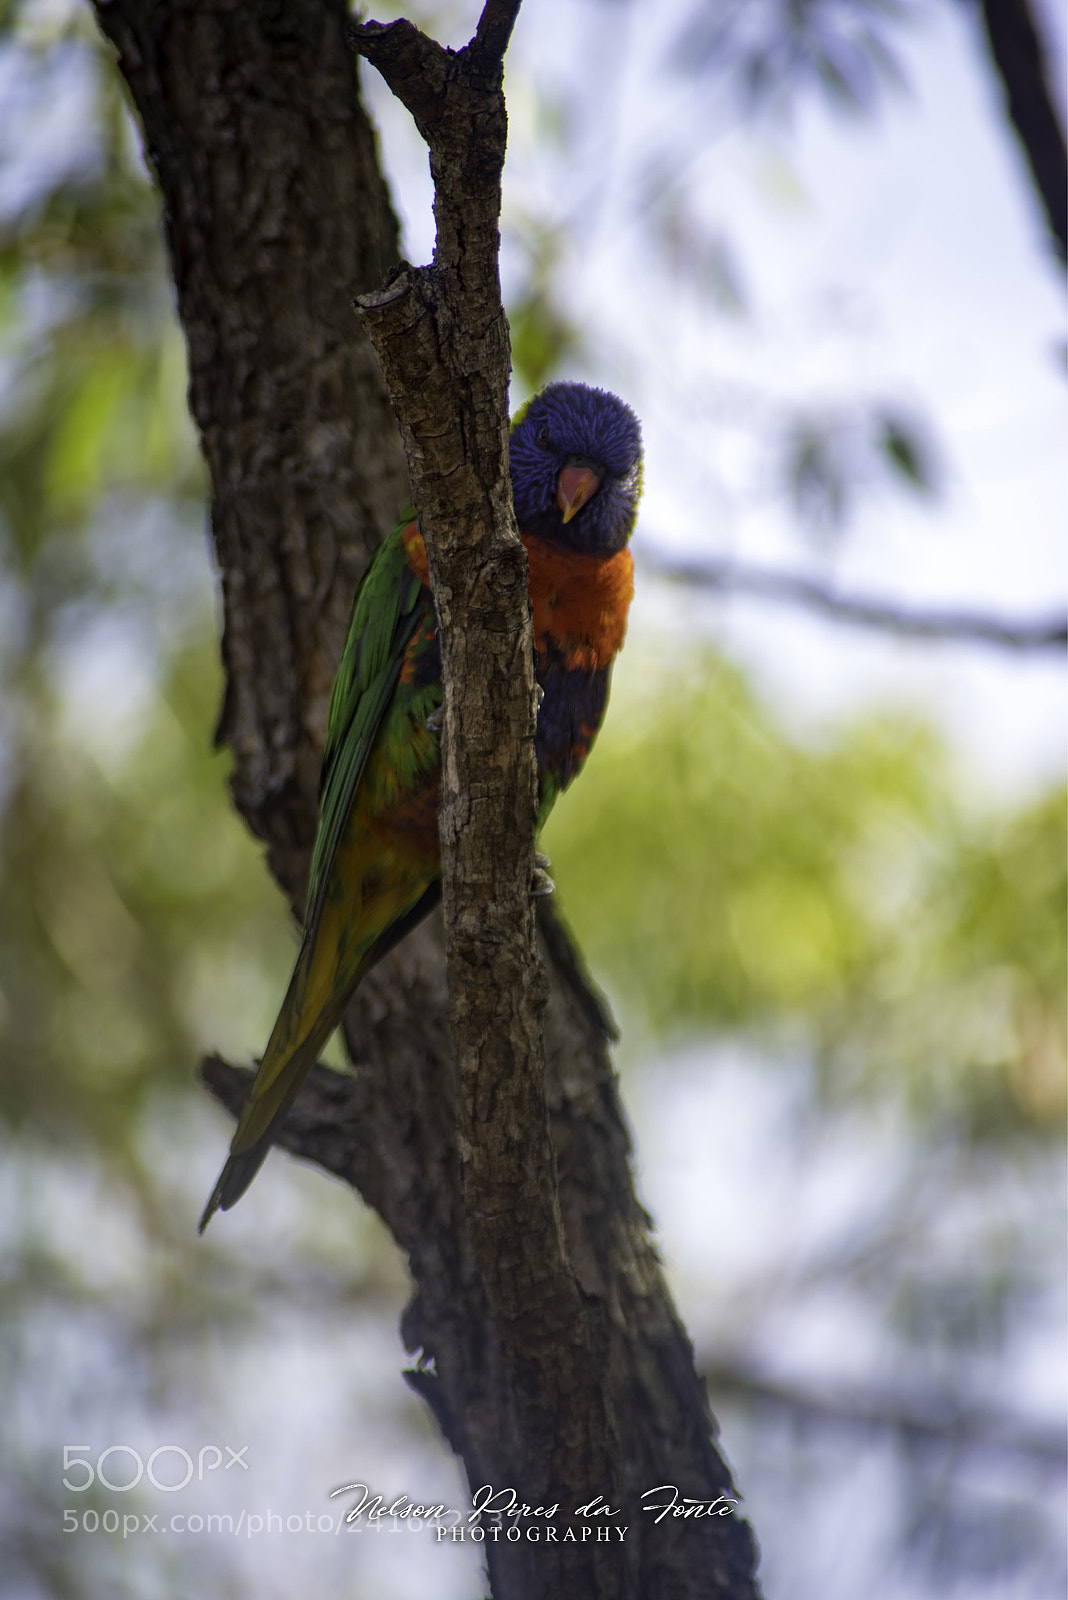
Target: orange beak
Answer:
[[574, 487]]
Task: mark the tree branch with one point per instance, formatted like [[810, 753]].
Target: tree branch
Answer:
[[728, 577], [1017, 51], [442, 341]]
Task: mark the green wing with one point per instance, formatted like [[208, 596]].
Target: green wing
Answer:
[[384, 617], [385, 614]]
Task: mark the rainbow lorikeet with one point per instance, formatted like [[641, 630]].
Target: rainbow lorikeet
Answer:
[[576, 476]]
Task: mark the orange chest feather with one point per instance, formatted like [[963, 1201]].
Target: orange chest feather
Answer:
[[415, 550], [580, 602]]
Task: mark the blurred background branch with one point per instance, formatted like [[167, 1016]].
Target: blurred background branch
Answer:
[[726, 577], [915, 1419]]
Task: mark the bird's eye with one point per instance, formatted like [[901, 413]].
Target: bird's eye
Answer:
[[541, 437]]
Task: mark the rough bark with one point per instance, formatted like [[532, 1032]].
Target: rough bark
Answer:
[[441, 338], [276, 215]]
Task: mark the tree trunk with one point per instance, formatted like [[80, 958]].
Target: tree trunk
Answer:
[[276, 216]]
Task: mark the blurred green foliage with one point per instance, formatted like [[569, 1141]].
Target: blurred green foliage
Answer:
[[134, 905], [831, 459], [139, 925], [841, 896], [774, 49]]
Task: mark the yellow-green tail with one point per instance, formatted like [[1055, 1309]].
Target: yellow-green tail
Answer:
[[290, 1055]]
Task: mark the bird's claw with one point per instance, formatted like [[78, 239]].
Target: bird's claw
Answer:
[[541, 861], [436, 720], [540, 883]]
